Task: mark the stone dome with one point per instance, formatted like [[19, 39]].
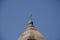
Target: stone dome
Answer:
[[31, 33]]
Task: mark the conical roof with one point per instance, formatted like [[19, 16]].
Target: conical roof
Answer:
[[31, 33]]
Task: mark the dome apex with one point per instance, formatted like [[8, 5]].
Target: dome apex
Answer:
[[31, 33], [30, 22]]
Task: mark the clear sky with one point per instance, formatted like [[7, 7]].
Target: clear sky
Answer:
[[14, 16]]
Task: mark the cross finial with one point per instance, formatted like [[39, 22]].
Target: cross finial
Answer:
[[31, 17]]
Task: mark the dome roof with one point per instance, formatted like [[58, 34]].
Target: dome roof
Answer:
[[31, 33]]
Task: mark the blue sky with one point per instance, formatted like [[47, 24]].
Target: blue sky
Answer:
[[14, 16]]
